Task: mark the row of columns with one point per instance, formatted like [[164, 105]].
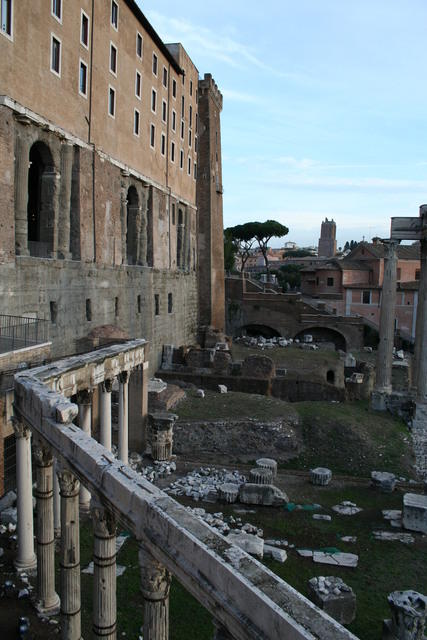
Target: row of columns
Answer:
[[155, 579]]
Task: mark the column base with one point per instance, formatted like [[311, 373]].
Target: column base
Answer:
[[26, 565], [379, 400], [51, 609]]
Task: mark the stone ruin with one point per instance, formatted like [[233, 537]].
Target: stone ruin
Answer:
[[408, 616], [333, 596]]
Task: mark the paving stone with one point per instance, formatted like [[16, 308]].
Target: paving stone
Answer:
[[340, 559]]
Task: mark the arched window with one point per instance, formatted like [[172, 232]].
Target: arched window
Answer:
[[42, 186], [132, 226]]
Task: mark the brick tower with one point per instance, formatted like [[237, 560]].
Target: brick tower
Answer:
[[327, 241], [209, 204]]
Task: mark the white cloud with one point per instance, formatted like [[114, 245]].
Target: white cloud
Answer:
[[239, 96]]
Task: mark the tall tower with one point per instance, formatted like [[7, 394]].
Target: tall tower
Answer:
[[327, 241], [209, 205]]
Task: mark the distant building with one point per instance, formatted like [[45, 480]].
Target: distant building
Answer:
[[327, 240]]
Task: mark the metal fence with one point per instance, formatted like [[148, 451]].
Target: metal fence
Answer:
[[17, 332]]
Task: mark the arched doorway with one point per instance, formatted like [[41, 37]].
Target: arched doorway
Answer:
[[132, 226], [255, 330], [41, 201], [326, 336]]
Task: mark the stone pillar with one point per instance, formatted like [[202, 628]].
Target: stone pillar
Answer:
[[67, 152], [408, 616], [160, 434], [56, 501], [47, 598], [84, 399], [143, 232], [123, 416], [420, 359], [123, 217], [70, 556], [25, 558], [155, 586], [104, 575], [22, 160], [220, 632], [383, 386], [106, 388]]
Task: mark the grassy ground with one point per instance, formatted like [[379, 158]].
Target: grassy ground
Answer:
[[292, 357]]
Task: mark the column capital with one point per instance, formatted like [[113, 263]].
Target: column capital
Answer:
[[124, 377], [21, 430], [107, 386], [104, 522], [69, 485], [84, 396], [43, 456], [155, 578]]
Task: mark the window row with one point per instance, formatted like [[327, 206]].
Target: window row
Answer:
[[157, 304]]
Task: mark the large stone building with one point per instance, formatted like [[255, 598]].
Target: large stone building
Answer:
[[110, 174]]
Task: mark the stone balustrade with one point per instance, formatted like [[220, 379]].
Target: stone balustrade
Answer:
[[246, 600]]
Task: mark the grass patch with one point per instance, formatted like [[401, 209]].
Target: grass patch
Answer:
[[292, 357]]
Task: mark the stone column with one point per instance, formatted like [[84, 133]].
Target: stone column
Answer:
[[123, 217], [26, 558], [70, 556], [67, 152], [104, 575], [143, 231], [420, 358], [47, 598], [383, 386], [56, 501], [155, 586], [84, 399], [160, 434], [123, 416], [106, 388], [22, 164]]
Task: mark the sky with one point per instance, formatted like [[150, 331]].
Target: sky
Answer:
[[325, 107]]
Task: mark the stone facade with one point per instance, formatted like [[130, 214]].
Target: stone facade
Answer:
[[98, 215]]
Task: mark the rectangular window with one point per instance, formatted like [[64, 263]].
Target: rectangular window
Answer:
[[182, 106], [153, 100], [173, 88], [83, 79], [84, 30], [189, 137], [6, 17], [330, 282], [170, 303], [172, 151], [164, 110], [138, 85], [88, 309], [53, 311], [165, 77], [191, 87], [398, 273], [114, 14], [189, 166], [55, 56], [113, 59], [154, 64], [417, 274], [181, 159], [112, 102], [139, 304], [182, 129], [173, 213], [116, 307], [152, 135], [156, 304], [139, 45], [195, 170], [197, 123], [163, 145], [195, 144], [190, 116], [136, 122], [173, 120], [366, 297], [57, 9]]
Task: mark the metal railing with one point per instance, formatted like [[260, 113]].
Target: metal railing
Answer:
[[18, 332]]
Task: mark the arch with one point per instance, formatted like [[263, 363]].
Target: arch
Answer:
[[260, 330], [132, 225], [324, 334], [41, 210]]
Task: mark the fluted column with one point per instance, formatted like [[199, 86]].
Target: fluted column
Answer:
[[84, 401], [123, 416], [383, 385], [47, 598], [104, 575], [67, 151], [70, 556], [22, 160], [155, 587], [106, 388], [56, 501], [26, 558]]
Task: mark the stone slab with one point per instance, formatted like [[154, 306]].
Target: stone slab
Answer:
[[338, 559], [415, 512]]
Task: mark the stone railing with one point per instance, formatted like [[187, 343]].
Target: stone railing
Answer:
[[245, 599]]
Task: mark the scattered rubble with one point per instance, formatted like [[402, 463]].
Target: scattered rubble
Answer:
[[383, 480], [333, 596], [393, 536], [205, 483], [346, 508]]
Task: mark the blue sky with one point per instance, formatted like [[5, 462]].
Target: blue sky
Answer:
[[325, 107]]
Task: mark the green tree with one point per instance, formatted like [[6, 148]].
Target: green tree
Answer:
[[264, 231], [229, 251], [289, 276], [297, 253], [242, 237]]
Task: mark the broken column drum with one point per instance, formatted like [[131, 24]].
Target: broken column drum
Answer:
[[161, 435], [408, 611], [267, 463], [320, 476], [261, 475]]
